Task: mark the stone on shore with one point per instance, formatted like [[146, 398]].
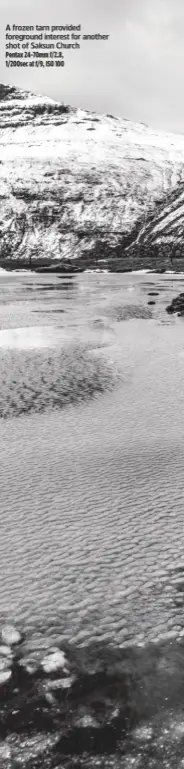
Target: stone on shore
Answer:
[[55, 660], [5, 651], [61, 683], [5, 676], [10, 635], [5, 662]]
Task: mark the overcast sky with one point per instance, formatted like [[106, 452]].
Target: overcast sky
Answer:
[[137, 74]]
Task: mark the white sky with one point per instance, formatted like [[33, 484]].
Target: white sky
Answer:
[[137, 74]]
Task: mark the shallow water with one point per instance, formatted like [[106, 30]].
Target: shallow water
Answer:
[[92, 499]]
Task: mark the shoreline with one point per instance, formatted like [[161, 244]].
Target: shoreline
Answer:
[[64, 272], [99, 703]]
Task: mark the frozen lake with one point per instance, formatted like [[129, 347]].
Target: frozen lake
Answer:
[[92, 455]]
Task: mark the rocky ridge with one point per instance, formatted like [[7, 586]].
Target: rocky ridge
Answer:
[[86, 191]]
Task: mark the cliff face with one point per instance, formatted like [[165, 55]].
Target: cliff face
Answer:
[[79, 190]]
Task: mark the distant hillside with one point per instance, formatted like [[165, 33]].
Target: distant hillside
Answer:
[[81, 190]]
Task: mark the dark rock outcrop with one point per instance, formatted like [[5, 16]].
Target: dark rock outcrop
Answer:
[[176, 306]]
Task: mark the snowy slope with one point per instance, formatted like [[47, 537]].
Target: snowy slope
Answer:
[[85, 190], [161, 234]]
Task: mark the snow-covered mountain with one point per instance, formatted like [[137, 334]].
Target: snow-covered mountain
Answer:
[[83, 190]]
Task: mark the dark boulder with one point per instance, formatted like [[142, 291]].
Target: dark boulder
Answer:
[[176, 306]]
